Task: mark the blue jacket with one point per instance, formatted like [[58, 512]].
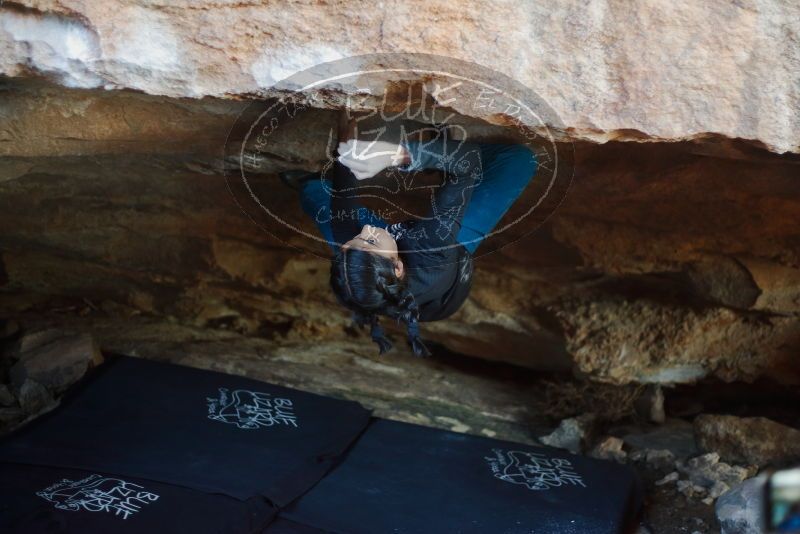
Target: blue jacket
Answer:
[[438, 268]]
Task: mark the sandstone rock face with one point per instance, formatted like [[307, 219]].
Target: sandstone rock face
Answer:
[[751, 440], [620, 285], [33, 397], [39, 367], [661, 71], [56, 360], [610, 448], [661, 343], [6, 397], [703, 478], [668, 262], [573, 434], [662, 444], [650, 405], [709, 478]]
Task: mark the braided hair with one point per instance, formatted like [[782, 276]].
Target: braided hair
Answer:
[[366, 284]]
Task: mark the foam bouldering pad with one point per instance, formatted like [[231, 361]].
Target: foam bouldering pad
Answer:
[[38, 499], [410, 479], [284, 526], [194, 428]]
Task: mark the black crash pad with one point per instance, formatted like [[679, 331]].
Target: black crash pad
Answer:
[[284, 526], [37, 499], [188, 427], [409, 479]]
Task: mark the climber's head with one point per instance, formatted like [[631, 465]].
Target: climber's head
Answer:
[[368, 277], [378, 241]]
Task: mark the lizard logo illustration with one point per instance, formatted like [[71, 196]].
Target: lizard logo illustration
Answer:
[[533, 470], [97, 493], [249, 410]]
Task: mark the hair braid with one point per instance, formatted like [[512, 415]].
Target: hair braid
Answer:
[[405, 308], [366, 284]]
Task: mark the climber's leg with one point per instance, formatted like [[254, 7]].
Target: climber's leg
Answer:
[[507, 170], [315, 198]]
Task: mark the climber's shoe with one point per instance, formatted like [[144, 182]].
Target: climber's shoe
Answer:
[[295, 178]]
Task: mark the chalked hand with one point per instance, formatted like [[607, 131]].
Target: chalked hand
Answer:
[[367, 158]]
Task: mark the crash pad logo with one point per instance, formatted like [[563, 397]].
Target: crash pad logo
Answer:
[[97, 493], [536, 471], [251, 409]]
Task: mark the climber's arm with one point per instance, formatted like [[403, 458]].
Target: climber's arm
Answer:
[[345, 209], [461, 163]]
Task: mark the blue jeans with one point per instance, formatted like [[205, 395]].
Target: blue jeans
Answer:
[[507, 170]]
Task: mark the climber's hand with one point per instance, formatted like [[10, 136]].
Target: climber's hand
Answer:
[[368, 158]]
